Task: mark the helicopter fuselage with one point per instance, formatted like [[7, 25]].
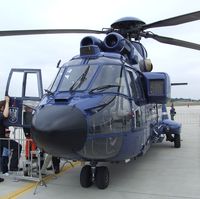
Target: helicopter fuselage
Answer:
[[96, 110], [105, 105]]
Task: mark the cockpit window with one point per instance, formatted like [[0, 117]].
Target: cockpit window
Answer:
[[110, 79], [77, 77], [57, 80]]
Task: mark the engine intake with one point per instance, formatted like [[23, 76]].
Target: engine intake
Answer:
[[117, 43], [90, 40]]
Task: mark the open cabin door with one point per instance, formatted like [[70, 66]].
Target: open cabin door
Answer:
[[24, 86]]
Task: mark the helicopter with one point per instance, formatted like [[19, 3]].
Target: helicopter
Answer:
[[105, 104]]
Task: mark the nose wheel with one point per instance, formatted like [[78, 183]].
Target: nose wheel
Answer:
[[86, 176], [102, 177], [97, 175]]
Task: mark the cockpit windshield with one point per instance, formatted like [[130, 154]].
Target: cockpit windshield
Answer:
[[76, 77], [110, 78]]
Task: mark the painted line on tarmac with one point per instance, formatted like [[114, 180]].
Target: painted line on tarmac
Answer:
[[30, 186]]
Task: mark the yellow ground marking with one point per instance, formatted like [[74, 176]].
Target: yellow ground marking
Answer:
[[30, 186]]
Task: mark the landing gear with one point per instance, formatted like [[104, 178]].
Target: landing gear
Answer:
[[93, 174], [177, 140], [86, 176], [102, 177]]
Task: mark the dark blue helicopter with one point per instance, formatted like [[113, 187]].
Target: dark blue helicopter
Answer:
[[105, 104]]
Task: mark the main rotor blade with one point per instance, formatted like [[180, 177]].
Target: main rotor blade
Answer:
[[48, 31], [172, 41], [174, 20]]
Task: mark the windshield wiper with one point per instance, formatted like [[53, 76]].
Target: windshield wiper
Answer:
[[104, 87], [80, 80]]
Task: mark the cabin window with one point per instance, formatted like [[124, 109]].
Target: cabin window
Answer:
[[138, 118], [140, 80], [135, 86], [131, 78], [123, 85]]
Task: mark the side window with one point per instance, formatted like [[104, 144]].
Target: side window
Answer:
[[138, 118], [131, 78], [121, 81], [140, 85], [135, 85]]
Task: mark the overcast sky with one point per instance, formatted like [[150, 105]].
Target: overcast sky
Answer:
[[44, 51]]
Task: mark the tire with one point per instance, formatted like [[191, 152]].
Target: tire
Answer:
[[177, 141], [86, 176], [102, 177]]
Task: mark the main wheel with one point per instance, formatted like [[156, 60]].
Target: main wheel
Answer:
[[102, 177], [177, 140], [86, 176]]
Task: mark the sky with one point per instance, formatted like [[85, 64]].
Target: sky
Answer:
[[44, 51]]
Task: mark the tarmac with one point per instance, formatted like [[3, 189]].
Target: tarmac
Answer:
[[164, 172]]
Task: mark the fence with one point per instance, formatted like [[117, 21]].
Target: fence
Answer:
[[187, 115], [25, 156], [188, 118], [23, 159]]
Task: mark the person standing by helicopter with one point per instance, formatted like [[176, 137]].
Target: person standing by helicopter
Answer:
[[172, 112], [4, 112], [5, 142], [55, 164]]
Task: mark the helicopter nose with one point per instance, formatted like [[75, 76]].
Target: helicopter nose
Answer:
[[59, 129]]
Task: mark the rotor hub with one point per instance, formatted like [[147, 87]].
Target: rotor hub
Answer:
[[127, 23]]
